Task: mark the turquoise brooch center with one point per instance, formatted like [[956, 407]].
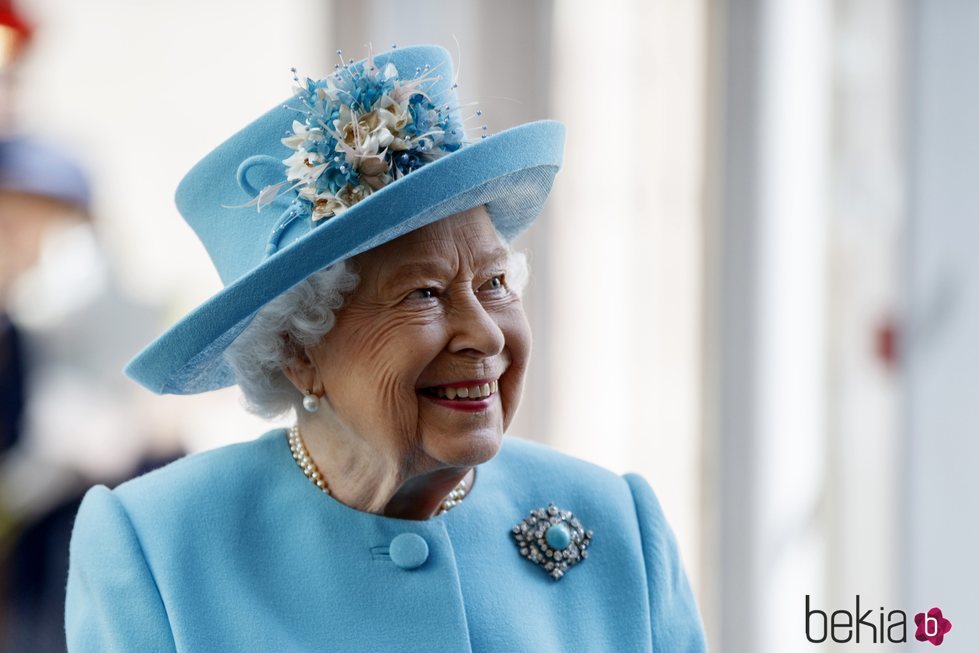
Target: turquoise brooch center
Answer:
[[558, 536]]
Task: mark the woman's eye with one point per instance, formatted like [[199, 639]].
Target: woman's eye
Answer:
[[495, 283], [422, 293]]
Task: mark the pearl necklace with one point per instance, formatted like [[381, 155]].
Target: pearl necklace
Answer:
[[305, 462]]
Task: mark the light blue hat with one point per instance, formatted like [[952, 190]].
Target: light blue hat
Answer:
[[353, 160]]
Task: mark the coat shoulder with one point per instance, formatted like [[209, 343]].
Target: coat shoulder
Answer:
[[212, 476], [541, 469]]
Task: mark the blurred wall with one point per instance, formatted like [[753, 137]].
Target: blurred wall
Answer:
[[942, 276], [766, 321]]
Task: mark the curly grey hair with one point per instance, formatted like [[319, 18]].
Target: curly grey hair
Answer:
[[297, 319]]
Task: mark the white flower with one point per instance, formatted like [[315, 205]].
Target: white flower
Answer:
[[301, 134], [325, 205], [364, 139], [350, 195], [304, 166]]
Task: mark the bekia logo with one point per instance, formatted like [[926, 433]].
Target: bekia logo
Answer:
[[842, 626], [932, 626]]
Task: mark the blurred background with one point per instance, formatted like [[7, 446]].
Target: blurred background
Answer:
[[754, 282]]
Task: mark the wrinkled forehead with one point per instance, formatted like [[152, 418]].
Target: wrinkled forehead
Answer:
[[470, 235]]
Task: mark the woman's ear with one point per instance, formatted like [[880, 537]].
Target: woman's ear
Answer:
[[301, 372]]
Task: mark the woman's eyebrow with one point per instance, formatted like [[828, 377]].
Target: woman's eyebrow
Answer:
[[493, 262], [430, 268], [498, 255], [415, 270]]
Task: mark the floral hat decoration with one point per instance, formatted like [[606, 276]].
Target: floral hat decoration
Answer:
[[363, 128], [374, 150]]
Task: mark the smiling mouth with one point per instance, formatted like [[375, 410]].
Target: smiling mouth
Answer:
[[472, 392]]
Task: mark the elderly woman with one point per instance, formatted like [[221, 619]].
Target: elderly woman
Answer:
[[375, 294]]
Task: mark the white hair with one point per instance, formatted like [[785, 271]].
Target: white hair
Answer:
[[297, 319]]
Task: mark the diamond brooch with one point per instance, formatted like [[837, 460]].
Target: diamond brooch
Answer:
[[552, 538]]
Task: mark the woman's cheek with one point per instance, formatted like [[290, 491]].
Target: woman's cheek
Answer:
[[516, 330], [400, 356]]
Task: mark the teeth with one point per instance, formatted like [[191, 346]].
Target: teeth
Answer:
[[472, 392]]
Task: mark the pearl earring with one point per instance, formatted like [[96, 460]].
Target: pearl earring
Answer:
[[311, 403]]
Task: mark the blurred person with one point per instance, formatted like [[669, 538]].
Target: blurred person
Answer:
[[41, 191], [65, 414], [371, 290], [65, 417]]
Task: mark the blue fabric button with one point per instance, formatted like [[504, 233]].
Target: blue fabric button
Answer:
[[558, 536], [408, 550]]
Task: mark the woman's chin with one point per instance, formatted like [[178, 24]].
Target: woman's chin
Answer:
[[466, 449]]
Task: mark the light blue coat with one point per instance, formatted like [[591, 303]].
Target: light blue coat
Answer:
[[235, 550]]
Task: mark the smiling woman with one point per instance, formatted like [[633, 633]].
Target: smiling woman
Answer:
[[382, 306], [427, 358], [399, 335]]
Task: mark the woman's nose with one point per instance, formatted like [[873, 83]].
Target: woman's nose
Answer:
[[474, 330]]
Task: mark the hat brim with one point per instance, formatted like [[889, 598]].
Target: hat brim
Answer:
[[510, 172]]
